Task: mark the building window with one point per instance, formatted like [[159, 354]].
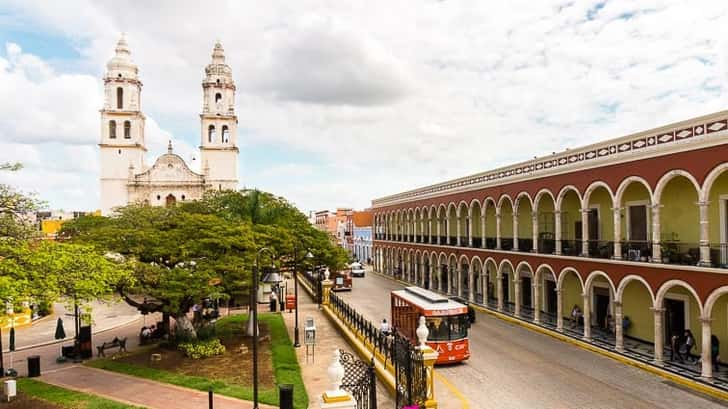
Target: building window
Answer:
[[170, 200], [211, 134], [112, 129], [218, 98], [225, 134], [119, 98], [218, 81], [127, 130], [183, 197]]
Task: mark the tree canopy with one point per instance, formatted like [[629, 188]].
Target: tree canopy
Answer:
[[15, 207], [206, 248]]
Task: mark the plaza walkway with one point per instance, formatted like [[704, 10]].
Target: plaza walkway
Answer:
[[328, 339], [105, 316], [137, 391]]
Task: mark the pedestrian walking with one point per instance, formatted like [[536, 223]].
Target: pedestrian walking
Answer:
[[576, 315], [714, 352], [273, 301], [686, 347], [384, 327]]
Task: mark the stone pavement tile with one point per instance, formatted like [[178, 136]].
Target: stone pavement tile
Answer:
[[328, 339], [137, 391]]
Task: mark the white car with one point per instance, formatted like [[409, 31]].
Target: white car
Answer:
[[357, 270]]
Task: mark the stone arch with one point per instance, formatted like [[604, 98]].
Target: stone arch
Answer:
[[710, 180], [628, 279], [490, 200], [712, 298], [665, 287], [538, 272], [598, 273], [594, 186], [541, 193], [564, 190], [625, 184], [562, 275], [473, 203], [503, 197], [460, 206], [520, 197], [667, 177]]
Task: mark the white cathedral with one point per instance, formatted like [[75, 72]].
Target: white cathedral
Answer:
[[125, 178]]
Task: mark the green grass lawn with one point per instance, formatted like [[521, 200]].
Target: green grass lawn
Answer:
[[285, 366], [66, 398]]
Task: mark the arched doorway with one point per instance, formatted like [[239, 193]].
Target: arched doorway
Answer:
[[170, 200]]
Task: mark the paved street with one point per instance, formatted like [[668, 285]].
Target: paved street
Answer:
[[103, 315], [512, 367]]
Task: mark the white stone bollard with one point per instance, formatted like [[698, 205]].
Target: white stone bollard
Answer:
[[336, 398]]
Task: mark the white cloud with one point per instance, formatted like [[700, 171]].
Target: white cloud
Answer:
[[390, 95]]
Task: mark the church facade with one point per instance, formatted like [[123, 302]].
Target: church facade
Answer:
[[125, 177]]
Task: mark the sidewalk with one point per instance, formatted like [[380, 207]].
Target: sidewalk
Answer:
[[328, 339], [137, 391], [104, 317]]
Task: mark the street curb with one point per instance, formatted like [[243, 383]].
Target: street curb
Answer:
[[689, 383], [58, 341]]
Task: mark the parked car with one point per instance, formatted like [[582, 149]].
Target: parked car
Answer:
[[356, 269], [342, 281]]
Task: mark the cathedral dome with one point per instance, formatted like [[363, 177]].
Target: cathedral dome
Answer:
[[121, 65]]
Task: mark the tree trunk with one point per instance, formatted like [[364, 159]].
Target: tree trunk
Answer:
[[184, 327]]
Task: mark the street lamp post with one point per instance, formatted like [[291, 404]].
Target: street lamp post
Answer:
[[255, 324], [296, 342]]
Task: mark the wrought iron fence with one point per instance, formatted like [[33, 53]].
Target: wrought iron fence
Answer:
[[380, 342], [359, 379], [410, 373]]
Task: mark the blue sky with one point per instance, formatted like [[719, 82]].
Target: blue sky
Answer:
[[343, 102]]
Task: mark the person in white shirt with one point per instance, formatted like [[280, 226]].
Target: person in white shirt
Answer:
[[384, 327]]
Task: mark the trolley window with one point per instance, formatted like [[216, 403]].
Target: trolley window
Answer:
[[447, 328]]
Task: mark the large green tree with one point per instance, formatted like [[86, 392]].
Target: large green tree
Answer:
[[46, 270], [15, 208], [206, 248]]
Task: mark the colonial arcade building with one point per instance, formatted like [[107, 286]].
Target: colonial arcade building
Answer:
[[634, 227]]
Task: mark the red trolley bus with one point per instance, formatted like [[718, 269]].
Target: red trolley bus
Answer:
[[447, 321]]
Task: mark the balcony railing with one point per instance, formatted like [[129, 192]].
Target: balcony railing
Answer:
[[678, 252], [719, 255], [443, 240], [506, 243], [601, 249], [571, 247], [546, 246], [637, 250], [525, 245], [452, 240], [464, 241], [477, 242], [490, 242], [411, 238]]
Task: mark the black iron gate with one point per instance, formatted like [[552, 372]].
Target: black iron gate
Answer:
[[359, 380], [410, 373]]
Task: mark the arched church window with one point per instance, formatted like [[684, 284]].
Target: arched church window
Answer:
[[170, 200], [218, 98], [127, 130], [112, 129], [119, 98], [218, 81], [183, 197], [225, 134], [211, 134]]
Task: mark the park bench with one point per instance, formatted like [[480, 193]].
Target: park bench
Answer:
[[116, 343]]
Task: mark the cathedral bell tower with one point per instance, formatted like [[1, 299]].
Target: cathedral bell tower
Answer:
[[122, 128], [218, 147]]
